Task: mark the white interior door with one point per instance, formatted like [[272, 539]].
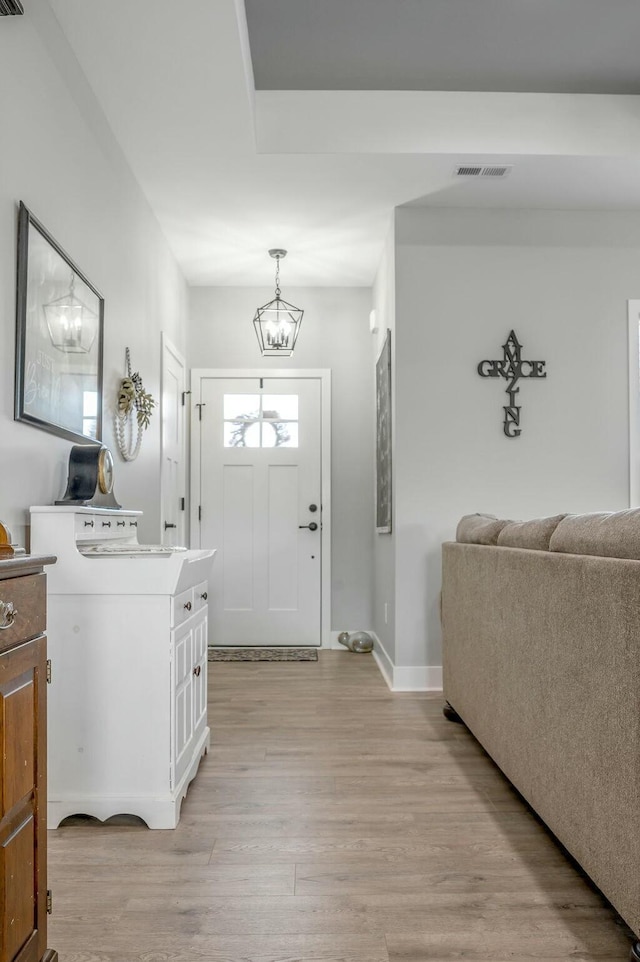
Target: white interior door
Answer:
[[260, 506], [173, 475]]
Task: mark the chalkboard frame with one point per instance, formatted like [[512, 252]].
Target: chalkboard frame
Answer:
[[30, 230]]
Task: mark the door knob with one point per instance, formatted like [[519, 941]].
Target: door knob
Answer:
[[312, 526], [313, 507]]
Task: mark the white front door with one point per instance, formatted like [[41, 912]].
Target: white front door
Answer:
[[173, 474], [260, 506]]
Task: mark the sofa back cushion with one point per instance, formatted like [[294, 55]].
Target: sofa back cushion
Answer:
[[608, 534], [535, 534], [479, 529]]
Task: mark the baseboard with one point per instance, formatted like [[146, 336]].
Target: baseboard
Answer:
[[334, 644], [383, 661], [406, 678], [418, 678]]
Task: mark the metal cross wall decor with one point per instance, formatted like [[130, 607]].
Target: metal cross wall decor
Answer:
[[512, 368]]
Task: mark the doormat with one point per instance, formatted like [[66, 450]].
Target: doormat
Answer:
[[263, 654]]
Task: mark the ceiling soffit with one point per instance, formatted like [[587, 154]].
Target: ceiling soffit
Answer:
[[576, 46]]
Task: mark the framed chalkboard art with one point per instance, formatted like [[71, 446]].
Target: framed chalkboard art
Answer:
[[383, 438], [59, 335]]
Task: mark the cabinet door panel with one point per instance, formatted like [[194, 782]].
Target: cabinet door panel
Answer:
[[22, 821], [18, 890], [200, 677], [182, 701], [183, 656], [17, 699], [184, 728], [185, 724], [199, 640]]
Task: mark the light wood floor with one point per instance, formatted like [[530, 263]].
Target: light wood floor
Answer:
[[331, 822]]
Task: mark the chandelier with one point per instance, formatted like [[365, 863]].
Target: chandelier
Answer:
[[72, 325], [277, 323]]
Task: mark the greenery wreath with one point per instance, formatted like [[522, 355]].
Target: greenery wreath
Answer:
[[132, 397], [238, 438]]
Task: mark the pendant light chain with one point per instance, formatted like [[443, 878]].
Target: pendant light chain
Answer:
[[278, 291]]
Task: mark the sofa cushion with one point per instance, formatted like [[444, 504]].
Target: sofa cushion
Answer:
[[608, 534], [479, 529], [534, 534]]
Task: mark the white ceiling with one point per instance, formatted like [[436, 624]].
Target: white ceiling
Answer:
[[231, 172]]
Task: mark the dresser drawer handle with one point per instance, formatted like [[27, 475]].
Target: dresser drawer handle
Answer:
[[121, 524], [197, 670], [133, 524], [88, 524], [7, 614], [204, 595], [106, 524], [188, 606]]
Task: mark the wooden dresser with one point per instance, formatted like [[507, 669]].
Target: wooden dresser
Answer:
[[23, 760]]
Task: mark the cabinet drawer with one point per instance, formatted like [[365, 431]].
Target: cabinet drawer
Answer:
[[200, 596], [28, 595], [181, 607]]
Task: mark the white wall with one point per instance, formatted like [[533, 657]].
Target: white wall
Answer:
[[385, 544], [464, 279], [59, 157], [334, 334]]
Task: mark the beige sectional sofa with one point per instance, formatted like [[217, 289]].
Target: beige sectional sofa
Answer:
[[541, 656]]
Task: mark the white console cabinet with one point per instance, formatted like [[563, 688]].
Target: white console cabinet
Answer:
[[128, 696]]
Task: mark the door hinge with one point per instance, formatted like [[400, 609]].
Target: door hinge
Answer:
[[199, 512], [49, 902], [200, 407], [182, 504], [48, 671], [184, 394]]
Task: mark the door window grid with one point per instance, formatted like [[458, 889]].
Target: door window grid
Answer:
[[260, 421]]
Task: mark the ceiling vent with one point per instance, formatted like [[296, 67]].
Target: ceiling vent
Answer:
[[11, 8], [468, 171]]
